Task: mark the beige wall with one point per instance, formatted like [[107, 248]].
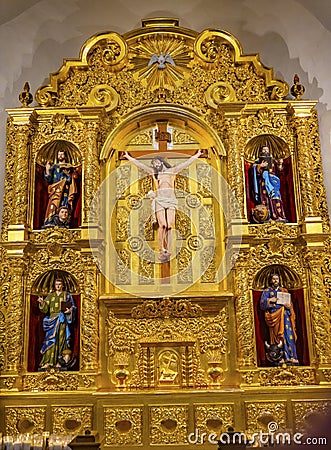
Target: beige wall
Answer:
[[290, 36]]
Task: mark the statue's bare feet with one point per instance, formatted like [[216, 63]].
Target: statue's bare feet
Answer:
[[164, 255]]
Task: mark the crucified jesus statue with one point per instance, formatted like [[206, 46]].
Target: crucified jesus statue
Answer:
[[164, 202]]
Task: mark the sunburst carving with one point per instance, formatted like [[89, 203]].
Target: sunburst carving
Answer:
[[157, 76]]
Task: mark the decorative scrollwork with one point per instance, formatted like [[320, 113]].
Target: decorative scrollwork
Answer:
[[104, 95]]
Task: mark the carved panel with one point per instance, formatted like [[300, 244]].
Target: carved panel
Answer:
[[303, 408], [71, 419], [260, 414], [168, 425], [123, 425], [214, 418], [25, 419]]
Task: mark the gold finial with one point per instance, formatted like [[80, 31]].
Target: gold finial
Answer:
[[25, 97], [297, 90]]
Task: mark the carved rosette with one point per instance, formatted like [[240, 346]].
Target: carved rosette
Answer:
[[71, 419], [25, 419], [123, 426], [259, 414], [168, 425]]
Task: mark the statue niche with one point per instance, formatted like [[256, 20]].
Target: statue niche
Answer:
[[280, 319], [54, 322], [57, 199], [269, 180]]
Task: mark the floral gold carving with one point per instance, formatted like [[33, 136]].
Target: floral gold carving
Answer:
[[214, 417], [35, 419], [71, 419], [290, 376], [123, 426], [166, 308], [104, 95], [168, 424], [50, 381], [302, 409], [259, 414]]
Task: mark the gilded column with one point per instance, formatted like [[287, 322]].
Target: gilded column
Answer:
[[14, 318], [319, 307], [306, 167], [90, 317], [92, 166], [244, 313], [235, 171]]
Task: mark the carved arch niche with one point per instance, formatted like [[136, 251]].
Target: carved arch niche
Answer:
[[49, 153], [281, 165], [42, 286], [292, 282], [198, 213]]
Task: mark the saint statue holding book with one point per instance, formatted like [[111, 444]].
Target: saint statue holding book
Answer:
[[280, 318], [60, 310]]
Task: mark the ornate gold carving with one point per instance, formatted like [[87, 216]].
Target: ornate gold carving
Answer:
[[208, 265], [122, 223], [183, 222], [71, 419], [184, 264], [143, 138], [123, 264], [50, 381], [235, 170], [273, 230], [259, 414], [103, 95], [146, 267], [214, 418], [123, 426], [176, 324], [218, 93], [180, 137], [166, 308], [59, 122], [113, 50], [319, 305], [168, 425], [302, 409], [123, 174], [34, 420], [56, 236], [290, 376]]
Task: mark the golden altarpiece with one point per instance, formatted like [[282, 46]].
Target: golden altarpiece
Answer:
[[163, 348]]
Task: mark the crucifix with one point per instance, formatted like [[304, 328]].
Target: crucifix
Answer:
[[164, 201]]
